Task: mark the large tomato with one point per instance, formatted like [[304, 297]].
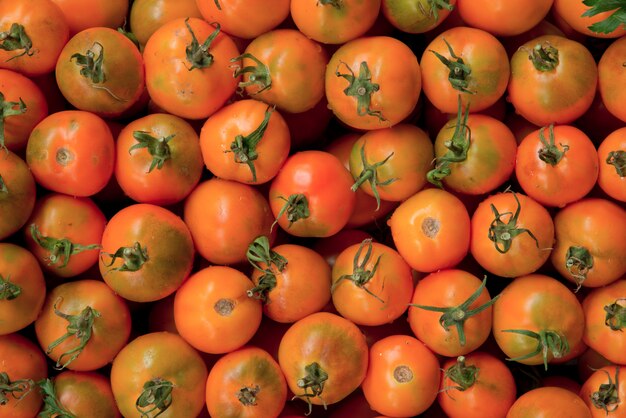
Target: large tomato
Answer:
[[146, 16], [549, 402], [81, 14], [585, 19], [612, 162], [605, 391], [417, 16], [17, 193], [611, 73], [503, 17]]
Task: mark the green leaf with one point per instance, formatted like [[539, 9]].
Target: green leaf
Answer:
[[612, 22]]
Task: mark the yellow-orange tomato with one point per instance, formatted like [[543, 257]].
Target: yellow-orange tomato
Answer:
[[612, 162], [549, 402], [146, 16], [17, 193], [416, 16], [572, 11], [604, 392], [84, 14], [503, 17], [610, 75]]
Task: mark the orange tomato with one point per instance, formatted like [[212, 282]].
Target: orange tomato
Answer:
[[575, 14], [17, 193], [604, 392], [549, 402], [610, 75], [612, 163], [503, 17], [82, 14]]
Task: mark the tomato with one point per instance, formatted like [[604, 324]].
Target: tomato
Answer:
[[604, 392], [372, 284], [468, 62], [611, 73], [147, 252], [553, 80], [503, 17], [612, 165], [311, 196], [512, 234], [146, 16], [324, 358], [83, 325], [576, 14], [101, 71], [391, 164], [537, 318], [22, 364], [192, 84], [450, 312], [367, 87], [334, 21], [246, 141], [291, 280], [330, 247], [17, 193], [71, 152], [22, 106], [284, 68], [402, 378], [213, 312], [224, 217], [544, 27], [417, 16], [81, 15], [247, 383], [586, 251], [79, 394], [556, 166], [549, 402], [159, 373], [64, 234], [431, 230], [32, 33], [158, 159], [475, 386]]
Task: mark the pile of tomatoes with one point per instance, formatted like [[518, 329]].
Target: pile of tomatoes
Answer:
[[325, 208]]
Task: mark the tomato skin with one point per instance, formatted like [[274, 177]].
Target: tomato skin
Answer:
[[224, 217], [71, 152], [491, 394], [611, 74], [17, 199], [45, 25], [212, 311], [414, 16], [592, 224], [609, 178], [486, 58], [613, 374], [248, 367], [551, 182], [503, 17], [402, 377], [190, 94], [399, 86], [560, 95], [324, 182], [81, 15], [179, 174], [549, 402], [166, 240], [146, 16], [571, 11], [149, 357], [110, 330], [431, 230], [525, 255], [85, 394]]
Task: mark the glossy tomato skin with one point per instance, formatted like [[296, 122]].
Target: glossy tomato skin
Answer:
[[325, 184], [247, 371], [71, 152], [571, 11], [81, 15], [604, 391], [85, 394], [110, 327], [612, 172], [402, 377], [610, 75], [159, 358], [174, 84], [224, 217], [163, 183], [393, 90], [503, 17], [146, 16], [590, 225], [559, 93], [415, 16], [17, 194], [147, 252], [431, 230], [549, 402]]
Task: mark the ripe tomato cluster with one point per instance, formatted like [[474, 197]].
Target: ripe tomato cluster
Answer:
[[324, 208]]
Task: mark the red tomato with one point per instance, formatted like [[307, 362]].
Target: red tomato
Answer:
[[604, 392], [503, 17], [17, 193], [549, 402], [612, 162]]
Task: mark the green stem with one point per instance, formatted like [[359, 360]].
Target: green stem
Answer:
[[337, 4], [155, 396], [433, 8], [459, 70], [258, 74], [8, 109], [259, 252], [296, 207], [52, 407], [60, 250], [501, 233], [134, 258], [616, 159], [158, 148], [607, 395], [361, 88], [361, 276], [16, 389], [313, 384], [578, 261], [370, 174], [615, 315], [198, 55], [91, 68], [247, 395], [8, 290], [463, 375], [548, 342], [544, 57], [550, 154], [15, 39]]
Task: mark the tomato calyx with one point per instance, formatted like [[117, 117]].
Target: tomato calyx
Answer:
[[615, 315], [247, 395], [361, 88], [131, 36], [15, 39], [337, 4], [133, 257], [314, 380], [457, 315], [433, 8], [158, 148], [16, 389], [578, 261], [3, 186], [463, 375], [550, 154], [614, 158], [244, 147], [370, 174], [9, 109], [91, 68], [258, 74], [607, 395], [548, 342], [544, 57], [217, 4], [8, 290], [459, 70], [60, 249], [612, 22], [198, 55], [296, 207], [501, 233], [79, 326], [259, 252], [360, 274], [155, 396], [51, 405]]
